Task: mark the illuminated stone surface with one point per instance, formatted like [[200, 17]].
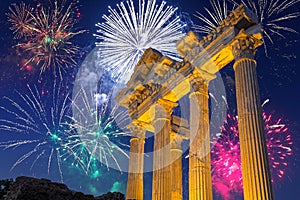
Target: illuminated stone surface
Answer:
[[200, 185], [135, 184], [254, 157], [158, 83]]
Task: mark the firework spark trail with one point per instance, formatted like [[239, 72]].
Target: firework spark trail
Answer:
[[226, 161], [30, 116], [46, 34], [126, 33], [272, 15], [96, 132], [20, 18], [265, 102], [279, 144], [214, 17]]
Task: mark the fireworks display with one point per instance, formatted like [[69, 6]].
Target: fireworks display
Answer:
[[129, 30], [84, 141], [40, 128], [213, 18], [45, 34], [77, 127], [226, 161], [98, 127], [272, 16]]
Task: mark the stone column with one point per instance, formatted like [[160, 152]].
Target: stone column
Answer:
[[161, 187], [200, 184], [255, 164], [136, 163], [176, 167]]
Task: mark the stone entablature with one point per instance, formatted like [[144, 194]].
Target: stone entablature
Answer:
[[159, 82]]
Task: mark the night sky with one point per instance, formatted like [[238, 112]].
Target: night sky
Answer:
[[278, 78]]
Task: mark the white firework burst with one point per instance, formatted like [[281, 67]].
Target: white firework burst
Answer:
[[44, 128], [212, 18], [272, 16], [126, 33]]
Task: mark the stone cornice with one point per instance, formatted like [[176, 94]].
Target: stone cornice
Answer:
[[158, 77], [137, 131], [214, 51]]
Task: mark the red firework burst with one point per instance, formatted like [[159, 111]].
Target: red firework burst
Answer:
[[45, 34]]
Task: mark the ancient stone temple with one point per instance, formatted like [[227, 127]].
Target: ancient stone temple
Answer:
[[155, 88]]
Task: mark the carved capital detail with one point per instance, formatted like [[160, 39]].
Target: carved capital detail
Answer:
[[137, 131], [244, 48], [199, 84], [163, 109], [139, 97], [176, 142]]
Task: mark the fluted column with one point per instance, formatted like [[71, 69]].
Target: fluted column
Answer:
[[176, 168], [136, 163], [200, 184], [161, 187], [255, 166]]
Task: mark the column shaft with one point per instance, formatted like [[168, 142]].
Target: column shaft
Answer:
[[200, 185], [136, 167], [176, 174], [161, 187], [255, 164]]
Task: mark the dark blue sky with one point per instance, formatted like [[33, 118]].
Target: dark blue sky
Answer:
[[278, 79]]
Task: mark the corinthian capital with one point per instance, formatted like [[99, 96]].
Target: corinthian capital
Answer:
[[243, 47], [163, 109], [136, 130], [199, 82]]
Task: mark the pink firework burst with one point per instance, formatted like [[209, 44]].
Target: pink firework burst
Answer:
[[279, 145], [226, 161], [225, 154]]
